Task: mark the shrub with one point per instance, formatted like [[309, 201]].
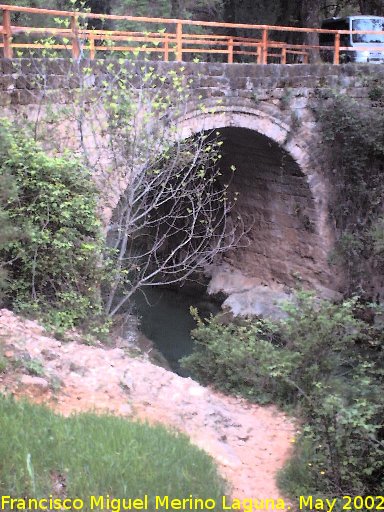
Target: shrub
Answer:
[[241, 367], [8, 233], [327, 364], [54, 267]]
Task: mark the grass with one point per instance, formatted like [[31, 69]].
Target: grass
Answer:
[[3, 363], [3, 360], [98, 455], [294, 478]]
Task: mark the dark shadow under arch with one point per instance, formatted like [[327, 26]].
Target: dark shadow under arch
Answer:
[[284, 244]]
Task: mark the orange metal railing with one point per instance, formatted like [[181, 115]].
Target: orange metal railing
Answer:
[[173, 42]]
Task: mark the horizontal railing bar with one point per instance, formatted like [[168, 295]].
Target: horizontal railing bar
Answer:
[[219, 43], [190, 50], [186, 40], [131, 49], [133, 37]]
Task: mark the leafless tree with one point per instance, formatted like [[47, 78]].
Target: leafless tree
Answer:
[[172, 221], [173, 218]]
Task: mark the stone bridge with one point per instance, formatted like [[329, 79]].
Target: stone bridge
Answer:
[[266, 117]]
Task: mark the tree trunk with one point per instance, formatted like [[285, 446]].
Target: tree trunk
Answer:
[[310, 17], [372, 7], [99, 7], [178, 9], [230, 15]]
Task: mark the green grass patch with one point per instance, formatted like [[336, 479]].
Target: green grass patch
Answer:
[[3, 360], [98, 455], [3, 363]]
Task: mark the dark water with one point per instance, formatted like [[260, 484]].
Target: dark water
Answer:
[[167, 321]]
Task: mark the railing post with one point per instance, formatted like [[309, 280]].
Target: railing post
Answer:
[[283, 55], [166, 47], [7, 34], [92, 51], [258, 55], [230, 50], [75, 38], [179, 41], [264, 46], [336, 53]]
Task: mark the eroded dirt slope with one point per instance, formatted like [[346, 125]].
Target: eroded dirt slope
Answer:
[[249, 442]]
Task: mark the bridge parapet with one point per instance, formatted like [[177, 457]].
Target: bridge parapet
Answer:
[[21, 79]]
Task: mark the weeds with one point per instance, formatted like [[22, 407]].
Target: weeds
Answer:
[[34, 367], [3, 363]]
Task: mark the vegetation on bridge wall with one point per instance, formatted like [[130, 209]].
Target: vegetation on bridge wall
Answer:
[[51, 244], [171, 221], [354, 137]]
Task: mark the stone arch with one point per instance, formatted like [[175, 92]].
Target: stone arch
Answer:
[[299, 247]]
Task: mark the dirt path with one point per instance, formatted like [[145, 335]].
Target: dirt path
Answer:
[[249, 442]]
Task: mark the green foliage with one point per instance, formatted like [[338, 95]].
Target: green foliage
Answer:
[[231, 366], [3, 363], [376, 92], [170, 221], [8, 232], [355, 138], [97, 455], [160, 8], [34, 367], [54, 267], [327, 364], [377, 234]]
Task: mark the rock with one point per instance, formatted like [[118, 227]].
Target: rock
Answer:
[[37, 384], [227, 279], [219, 451], [127, 383], [328, 294], [49, 355], [196, 391], [125, 409], [246, 296], [24, 356], [258, 301]]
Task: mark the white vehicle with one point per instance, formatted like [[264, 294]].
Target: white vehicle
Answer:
[[364, 47]]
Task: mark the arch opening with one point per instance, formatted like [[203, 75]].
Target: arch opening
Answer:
[[283, 245]]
